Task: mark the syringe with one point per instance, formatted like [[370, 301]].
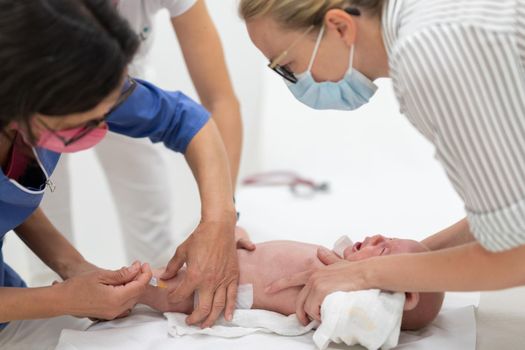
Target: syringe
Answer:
[[155, 282]]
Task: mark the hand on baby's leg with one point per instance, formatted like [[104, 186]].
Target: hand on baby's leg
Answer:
[[157, 298]]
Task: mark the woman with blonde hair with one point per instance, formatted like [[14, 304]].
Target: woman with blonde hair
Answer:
[[458, 72]]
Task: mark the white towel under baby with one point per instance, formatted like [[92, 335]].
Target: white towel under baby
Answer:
[[370, 318], [244, 322]]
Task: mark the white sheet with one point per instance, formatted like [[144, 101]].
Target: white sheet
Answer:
[[454, 329]]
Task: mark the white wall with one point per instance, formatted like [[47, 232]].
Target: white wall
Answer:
[[382, 173]]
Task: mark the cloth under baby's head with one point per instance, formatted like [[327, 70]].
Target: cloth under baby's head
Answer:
[[420, 308]]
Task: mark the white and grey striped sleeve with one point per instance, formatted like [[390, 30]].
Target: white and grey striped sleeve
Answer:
[[464, 88]]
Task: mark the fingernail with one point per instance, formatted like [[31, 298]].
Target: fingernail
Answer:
[[229, 317], [268, 290], [133, 268]]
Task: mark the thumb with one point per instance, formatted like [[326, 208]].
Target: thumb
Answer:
[[174, 265], [122, 276], [327, 257]]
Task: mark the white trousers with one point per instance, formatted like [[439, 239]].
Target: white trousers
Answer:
[[138, 178]]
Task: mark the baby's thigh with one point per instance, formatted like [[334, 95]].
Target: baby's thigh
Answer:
[[282, 302]]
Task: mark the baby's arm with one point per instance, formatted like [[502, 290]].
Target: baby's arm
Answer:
[[243, 240]]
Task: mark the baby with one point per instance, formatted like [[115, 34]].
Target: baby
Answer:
[[276, 259]]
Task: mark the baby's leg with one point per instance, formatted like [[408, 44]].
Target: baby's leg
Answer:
[[157, 298]]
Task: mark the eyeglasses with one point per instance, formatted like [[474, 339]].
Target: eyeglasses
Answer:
[[298, 185], [129, 86], [285, 72]]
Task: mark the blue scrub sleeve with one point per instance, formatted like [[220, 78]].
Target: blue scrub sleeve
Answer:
[[169, 117]]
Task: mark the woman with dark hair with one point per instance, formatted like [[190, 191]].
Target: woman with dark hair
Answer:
[[64, 85], [145, 205]]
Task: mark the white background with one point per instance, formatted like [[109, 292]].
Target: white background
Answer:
[[382, 173]]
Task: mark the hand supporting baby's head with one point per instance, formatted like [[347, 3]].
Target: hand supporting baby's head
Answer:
[[420, 308]]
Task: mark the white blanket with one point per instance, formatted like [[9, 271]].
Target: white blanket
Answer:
[[244, 322], [454, 329], [368, 318]]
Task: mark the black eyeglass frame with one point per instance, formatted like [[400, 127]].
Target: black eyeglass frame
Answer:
[[129, 87], [286, 73]]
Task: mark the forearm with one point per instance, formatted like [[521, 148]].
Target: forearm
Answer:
[[463, 268], [49, 245], [207, 67], [29, 303], [226, 114], [455, 235], [208, 161]]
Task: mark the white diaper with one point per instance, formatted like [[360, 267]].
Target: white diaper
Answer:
[[244, 297]]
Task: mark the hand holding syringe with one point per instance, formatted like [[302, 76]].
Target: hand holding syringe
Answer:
[[158, 283]]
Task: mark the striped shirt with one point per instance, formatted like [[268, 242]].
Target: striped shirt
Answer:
[[457, 68]]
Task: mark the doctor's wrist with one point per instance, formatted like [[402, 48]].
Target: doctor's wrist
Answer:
[[225, 215], [72, 267]]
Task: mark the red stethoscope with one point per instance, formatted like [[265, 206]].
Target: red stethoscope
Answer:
[[299, 185]]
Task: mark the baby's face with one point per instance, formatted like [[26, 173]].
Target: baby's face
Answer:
[[379, 245]]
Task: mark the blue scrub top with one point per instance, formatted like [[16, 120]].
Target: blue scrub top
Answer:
[[168, 117]]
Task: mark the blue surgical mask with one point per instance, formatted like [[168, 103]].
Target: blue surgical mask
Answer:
[[350, 93]]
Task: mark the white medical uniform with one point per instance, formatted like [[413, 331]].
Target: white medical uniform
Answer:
[[135, 169]]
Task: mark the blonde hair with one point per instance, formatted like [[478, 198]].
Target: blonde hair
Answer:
[[297, 14]]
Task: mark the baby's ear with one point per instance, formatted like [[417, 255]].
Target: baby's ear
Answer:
[[411, 301]]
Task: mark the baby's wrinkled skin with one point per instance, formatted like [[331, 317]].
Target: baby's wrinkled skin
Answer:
[[277, 259]]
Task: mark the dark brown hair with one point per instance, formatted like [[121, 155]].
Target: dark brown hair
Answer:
[[60, 57]]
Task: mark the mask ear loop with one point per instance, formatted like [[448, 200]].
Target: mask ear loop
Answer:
[[316, 49], [351, 63]]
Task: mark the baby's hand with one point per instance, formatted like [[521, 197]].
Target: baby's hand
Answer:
[[243, 240]]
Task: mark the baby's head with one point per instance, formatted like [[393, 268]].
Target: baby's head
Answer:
[[420, 308]]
